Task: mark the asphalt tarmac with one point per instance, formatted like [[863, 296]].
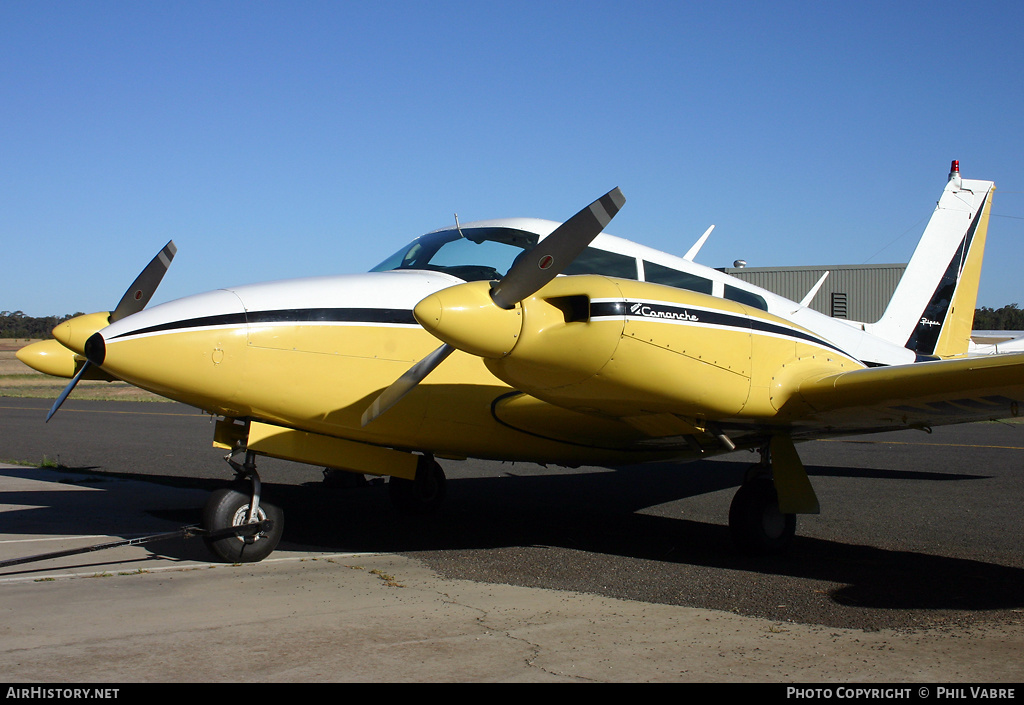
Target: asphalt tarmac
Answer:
[[913, 571]]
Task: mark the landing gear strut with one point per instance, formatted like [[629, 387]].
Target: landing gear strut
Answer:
[[757, 525], [238, 505], [423, 495]]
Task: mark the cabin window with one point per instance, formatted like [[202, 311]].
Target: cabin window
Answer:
[[658, 274], [612, 264], [743, 296]]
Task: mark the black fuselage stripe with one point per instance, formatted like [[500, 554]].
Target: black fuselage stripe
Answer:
[[295, 315], [646, 311], [333, 315], [616, 309]]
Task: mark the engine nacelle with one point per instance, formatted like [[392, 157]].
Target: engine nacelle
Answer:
[[626, 348]]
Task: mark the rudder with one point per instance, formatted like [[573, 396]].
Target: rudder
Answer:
[[932, 309]]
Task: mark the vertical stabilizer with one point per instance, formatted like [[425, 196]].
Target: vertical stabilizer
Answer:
[[932, 309]]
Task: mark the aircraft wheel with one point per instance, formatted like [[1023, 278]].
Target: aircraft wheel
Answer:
[[425, 494], [756, 524], [230, 507]]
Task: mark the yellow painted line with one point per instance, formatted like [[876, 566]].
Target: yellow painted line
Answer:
[[101, 411], [907, 443], [111, 568], [92, 537]]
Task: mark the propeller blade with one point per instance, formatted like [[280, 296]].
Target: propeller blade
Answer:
[[144, 286], [557, 251], [67, 390], [406, 383]]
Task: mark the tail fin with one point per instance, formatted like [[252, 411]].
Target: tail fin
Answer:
[[932, 309]]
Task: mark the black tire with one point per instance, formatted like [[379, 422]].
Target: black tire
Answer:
[[421, 496], [230, 507], [756, 524]]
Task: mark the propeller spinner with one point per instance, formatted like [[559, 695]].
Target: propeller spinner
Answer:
[[527, 276]]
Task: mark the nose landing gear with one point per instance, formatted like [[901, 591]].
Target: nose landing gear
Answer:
[[240, 505]]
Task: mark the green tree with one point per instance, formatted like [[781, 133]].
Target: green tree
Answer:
[[15, 324], [1009, 317]]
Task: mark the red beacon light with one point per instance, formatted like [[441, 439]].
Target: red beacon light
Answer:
[[954, 171]]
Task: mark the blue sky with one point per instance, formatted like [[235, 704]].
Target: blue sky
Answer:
[[272, 140]]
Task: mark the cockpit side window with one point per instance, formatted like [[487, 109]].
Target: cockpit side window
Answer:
[[745, 297], [595, 261], [659, 274]]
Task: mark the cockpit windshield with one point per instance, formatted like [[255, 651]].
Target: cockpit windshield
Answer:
[[474, 254]]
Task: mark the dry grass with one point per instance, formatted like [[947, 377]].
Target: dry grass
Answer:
[[19, 380]]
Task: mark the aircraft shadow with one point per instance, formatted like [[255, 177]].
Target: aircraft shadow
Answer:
[[598, 515], [592, 515]]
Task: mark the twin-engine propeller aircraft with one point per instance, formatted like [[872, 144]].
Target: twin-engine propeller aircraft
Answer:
[[558, 344]]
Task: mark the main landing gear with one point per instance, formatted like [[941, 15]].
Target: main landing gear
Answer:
[[423, 495], [757, 525], [762, 518], [240, 505]]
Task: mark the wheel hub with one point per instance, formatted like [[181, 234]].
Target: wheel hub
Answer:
[[241, 517]]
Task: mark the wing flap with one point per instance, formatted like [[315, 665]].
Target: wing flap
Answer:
[[921, 394]]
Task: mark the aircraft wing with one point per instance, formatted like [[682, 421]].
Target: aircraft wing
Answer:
[[923, 394], [996, 342]]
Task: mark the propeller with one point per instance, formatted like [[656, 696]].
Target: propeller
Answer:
[[133, 301], [405, 384], [530, 272], [142, 289], [557, 251]]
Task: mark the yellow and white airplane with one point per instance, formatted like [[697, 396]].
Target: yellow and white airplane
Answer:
[[558, 344]]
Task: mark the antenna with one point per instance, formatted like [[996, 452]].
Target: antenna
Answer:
[[809, 296], [459, 227], [697, 245]]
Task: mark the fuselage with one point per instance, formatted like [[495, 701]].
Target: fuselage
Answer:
[[313, 353]]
